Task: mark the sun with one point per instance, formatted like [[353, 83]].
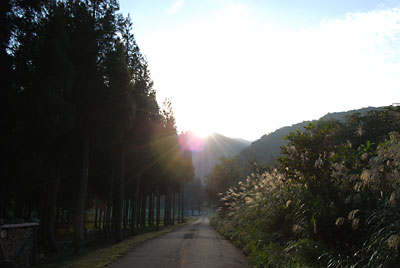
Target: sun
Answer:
[[202, 132], [200, 124]]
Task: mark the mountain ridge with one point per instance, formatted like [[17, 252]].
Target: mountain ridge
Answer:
[[264, 150], [267, 148], [215, 146]]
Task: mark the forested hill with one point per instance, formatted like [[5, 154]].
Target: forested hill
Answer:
[[215, 146], [268, 146]]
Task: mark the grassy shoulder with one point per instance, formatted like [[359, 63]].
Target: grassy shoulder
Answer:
[[105, 254], [301, 253]]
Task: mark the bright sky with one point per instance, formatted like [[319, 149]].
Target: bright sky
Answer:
[[246, 68]]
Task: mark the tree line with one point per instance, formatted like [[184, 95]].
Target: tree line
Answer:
[[81, 127]]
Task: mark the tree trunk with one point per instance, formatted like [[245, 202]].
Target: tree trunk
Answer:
[[80, 207], [173, 208], [151, 210], [19, 206], [119, 201], [100, 221], [58, 219], [138, 210], [107, 220], [167, 206], [182, 205], [103, 218], [179, 204], [108, 209], [126, 214], [137, 200], [158, 210], [68, 220], [3, 206], [42, 215], [143, 211], [133, 216], [53, 193], [165, 210], [96, 214]]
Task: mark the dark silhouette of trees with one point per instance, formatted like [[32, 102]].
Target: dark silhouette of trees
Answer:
[[87, 144]]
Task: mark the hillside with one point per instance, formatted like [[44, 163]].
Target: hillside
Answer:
[[215, 146], [268, 146]]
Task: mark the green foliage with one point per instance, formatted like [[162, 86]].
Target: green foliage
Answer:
[[329, 204], [225, 174], [382, 246]]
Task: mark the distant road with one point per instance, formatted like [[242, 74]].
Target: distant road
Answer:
[[193, 246]]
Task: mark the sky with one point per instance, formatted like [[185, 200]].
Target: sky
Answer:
[[246, 68]]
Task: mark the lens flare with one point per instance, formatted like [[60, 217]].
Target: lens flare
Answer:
[[191, 142]]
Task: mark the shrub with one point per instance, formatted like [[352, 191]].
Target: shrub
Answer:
[[329, 205]]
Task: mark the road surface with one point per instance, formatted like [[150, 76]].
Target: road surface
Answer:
[[194, 245]]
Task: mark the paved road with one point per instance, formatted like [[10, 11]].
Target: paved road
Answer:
[[194, 245]]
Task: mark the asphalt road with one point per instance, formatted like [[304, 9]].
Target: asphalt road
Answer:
[[194, 245]]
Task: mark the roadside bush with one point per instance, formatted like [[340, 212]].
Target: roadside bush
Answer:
[[328, 205]]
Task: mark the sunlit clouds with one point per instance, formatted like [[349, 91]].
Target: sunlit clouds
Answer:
[[238, 72]]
